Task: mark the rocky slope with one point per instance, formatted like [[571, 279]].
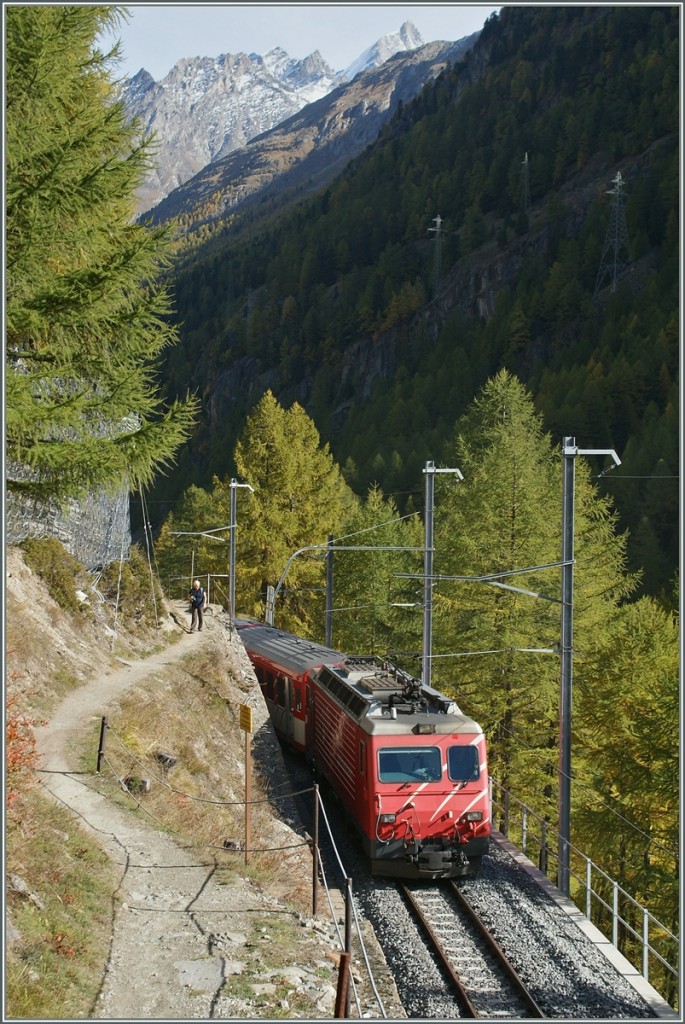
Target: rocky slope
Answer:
[[191, 936], [206, 108]]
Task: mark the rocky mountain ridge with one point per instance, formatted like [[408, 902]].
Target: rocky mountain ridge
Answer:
[[206, 108], [308, 149], [408, 38]]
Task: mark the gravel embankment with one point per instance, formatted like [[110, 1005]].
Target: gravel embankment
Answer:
[[567, 974]]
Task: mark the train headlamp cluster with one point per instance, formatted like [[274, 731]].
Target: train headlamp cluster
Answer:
[[423, 728], [387, 819], [472, 816]]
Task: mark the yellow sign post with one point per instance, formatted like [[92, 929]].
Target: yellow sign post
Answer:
[[246, 726]]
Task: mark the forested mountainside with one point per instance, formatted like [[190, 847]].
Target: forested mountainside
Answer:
[[384, 322]]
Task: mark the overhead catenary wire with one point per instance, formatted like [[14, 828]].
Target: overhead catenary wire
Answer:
[[490, 579], [516, 739], [574, 782], [146, 533]]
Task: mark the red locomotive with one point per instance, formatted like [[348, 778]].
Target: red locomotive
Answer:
[[408, 766]]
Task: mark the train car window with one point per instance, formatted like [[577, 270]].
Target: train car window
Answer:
[[462, 763], [259, 672], [409, 764], [280, 691], [362, 757], [309, 698], [297, 697], [270, 685]]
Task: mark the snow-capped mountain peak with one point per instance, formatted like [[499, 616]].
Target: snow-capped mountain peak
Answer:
[[205, 107], [408, 38]]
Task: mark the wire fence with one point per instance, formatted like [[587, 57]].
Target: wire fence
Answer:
[[650, 946], [351, 911]]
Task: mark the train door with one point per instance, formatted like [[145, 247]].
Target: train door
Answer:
[[280, 706], [297, 718]]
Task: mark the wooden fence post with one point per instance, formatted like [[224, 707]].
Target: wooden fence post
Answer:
[[101, 744], [343, 989]]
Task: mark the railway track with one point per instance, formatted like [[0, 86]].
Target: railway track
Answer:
[[486, 983]]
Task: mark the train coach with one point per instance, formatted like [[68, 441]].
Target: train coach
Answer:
[[408, 766]]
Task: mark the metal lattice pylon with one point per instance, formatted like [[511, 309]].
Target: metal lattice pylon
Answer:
[[616, 252], [436, 264], [526, 185]]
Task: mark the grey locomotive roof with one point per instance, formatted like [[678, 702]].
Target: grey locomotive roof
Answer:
[[293, 653], [373, 694], [404, 725], [363, 685]]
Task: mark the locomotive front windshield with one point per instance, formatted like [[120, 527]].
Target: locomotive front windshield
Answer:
[[463, 764], [423, 764], [409, 764]]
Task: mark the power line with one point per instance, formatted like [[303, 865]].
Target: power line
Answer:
[[437, 260], [536, 750], [616, 253], [574, 782]]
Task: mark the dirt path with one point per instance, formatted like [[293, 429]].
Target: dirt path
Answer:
[[176, 935], [183, 946], [91, 701]]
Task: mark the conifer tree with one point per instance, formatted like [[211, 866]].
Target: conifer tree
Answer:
[[504, 516], [181, 550], [85, 316], [299, 498], [375, 611], [629, 815]]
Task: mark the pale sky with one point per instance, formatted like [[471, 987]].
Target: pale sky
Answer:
[[158, 35]]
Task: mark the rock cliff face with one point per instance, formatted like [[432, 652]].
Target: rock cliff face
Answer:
[[207, 108], [308, 149]]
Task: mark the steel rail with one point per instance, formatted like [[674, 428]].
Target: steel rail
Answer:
[[444, 959], [499, 953], [503, 965]]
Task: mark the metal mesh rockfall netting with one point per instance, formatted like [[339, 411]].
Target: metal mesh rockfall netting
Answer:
[[95, 530]]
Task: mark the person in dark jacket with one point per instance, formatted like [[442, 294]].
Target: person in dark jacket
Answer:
[[197, 600]]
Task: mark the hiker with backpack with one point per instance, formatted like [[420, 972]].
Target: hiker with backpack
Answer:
[[197, 604]]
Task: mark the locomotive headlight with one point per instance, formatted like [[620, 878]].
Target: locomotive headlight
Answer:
[[387, 819], [473, 816]]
